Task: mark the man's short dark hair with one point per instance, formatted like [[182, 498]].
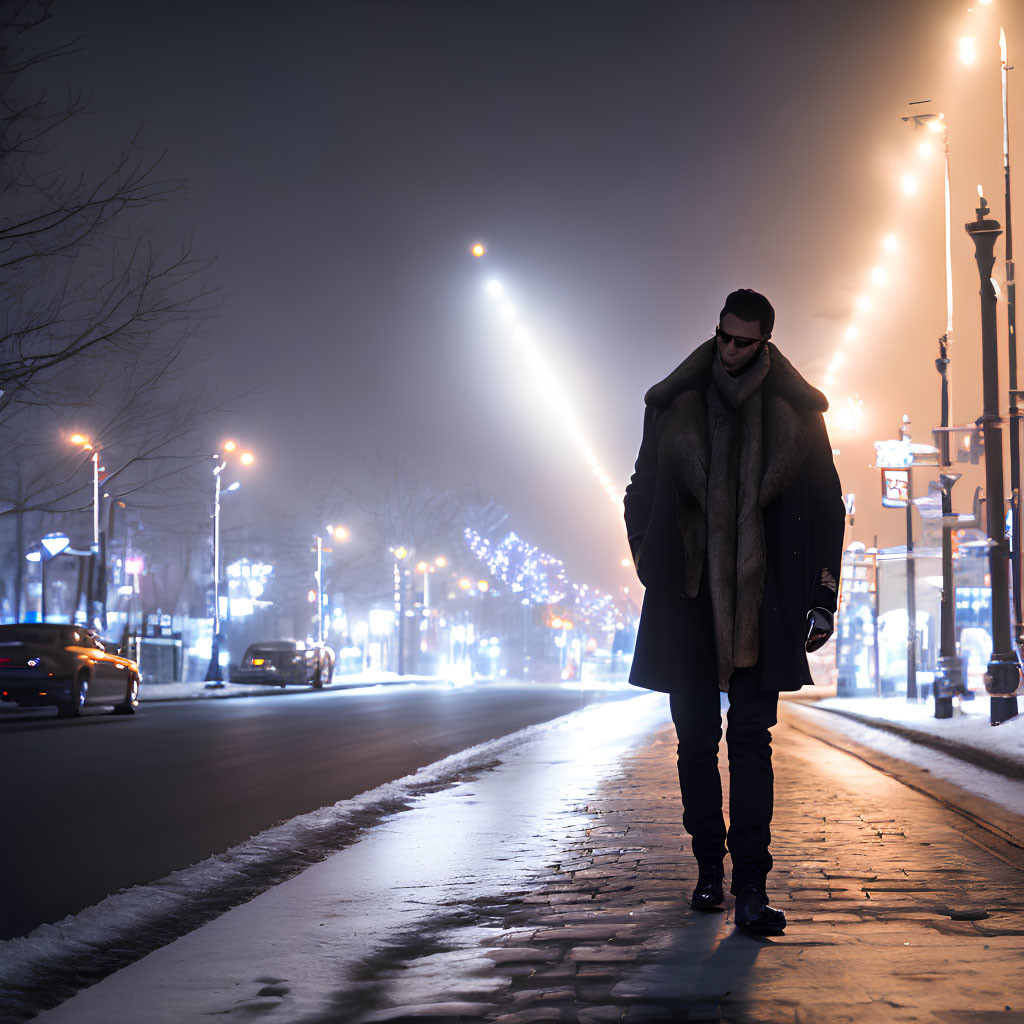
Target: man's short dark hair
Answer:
[[750, 305]]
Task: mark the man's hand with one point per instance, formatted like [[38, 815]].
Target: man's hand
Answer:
[[820, 625]]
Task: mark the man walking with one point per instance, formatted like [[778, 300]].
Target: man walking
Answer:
[[735, 519]]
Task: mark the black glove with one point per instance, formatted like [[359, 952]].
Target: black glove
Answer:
[[820, 625]]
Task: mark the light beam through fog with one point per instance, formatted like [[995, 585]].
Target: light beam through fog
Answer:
[[549, 393]]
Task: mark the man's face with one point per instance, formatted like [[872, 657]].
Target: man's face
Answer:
[[736, 356]]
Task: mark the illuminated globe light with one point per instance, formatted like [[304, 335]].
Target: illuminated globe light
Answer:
[[935, 124], [494, 289], [247, 458], [851, 332], [829, 380], [909, 184], [478, 249], [890, 243], [230, 446], [925, 150], [878, 275], [507, 311], [968, 50], [863, 303]]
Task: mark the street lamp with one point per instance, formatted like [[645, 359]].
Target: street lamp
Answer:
[[968, 55], [339, 533], [87, 444], [1011, 339], [1003, 676], [949, 678], [214, 675]]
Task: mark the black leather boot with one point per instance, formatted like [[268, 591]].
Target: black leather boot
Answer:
[[707, 895], [754, 915]]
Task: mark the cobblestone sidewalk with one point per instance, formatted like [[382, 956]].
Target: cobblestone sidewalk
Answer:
[[896, 911]]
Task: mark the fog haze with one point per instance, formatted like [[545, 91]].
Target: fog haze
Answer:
[[626, 165]]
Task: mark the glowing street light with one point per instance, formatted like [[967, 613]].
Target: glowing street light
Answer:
[[478, 249], [87, 444], [341, 534], [550, 388], [214, 673]]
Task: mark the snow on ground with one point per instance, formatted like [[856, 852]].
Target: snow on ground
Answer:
[[969, 727], [398, 871]]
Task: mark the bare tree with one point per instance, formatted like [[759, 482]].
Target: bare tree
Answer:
[[97, 316], [79, 272]]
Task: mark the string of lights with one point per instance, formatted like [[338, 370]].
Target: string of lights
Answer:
[[540, 579], [522, 567]]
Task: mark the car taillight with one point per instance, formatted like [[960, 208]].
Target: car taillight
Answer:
[[258, 661]]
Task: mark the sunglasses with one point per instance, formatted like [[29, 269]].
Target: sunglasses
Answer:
[[737, 340]]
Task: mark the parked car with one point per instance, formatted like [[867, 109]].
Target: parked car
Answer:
[[280, 662], [43, 664]]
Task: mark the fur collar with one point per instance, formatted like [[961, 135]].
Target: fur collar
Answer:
[[694, 374], [789, 404]]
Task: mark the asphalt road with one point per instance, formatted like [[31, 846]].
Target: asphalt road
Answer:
[[99, 803]]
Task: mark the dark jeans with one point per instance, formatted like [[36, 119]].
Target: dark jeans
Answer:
[[697, 716]]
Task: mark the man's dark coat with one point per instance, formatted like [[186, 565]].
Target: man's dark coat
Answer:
[[666, 521]]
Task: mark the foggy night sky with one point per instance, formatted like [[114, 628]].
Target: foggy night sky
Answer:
[[627, 164]]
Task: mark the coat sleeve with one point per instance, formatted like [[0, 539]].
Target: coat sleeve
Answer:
[[828, 520], [639, 499]]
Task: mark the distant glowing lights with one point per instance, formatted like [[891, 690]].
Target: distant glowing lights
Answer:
[[909, 184], [850, 415], [968, 50], [890, 243], [478, 249], [878, 275], [925, 149], [851, 332], [495, 290]]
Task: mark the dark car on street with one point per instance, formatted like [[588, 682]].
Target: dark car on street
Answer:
[[280, 662], [45, 664]]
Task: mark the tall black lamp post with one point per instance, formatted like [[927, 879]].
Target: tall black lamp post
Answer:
[[1003, 675]]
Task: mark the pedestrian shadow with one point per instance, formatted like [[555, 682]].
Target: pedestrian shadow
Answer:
[[705, 971]]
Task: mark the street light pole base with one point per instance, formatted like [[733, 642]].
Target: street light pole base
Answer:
[[1002, 709]]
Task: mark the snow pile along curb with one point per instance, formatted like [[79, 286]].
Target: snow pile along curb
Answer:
[[968, 735]]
